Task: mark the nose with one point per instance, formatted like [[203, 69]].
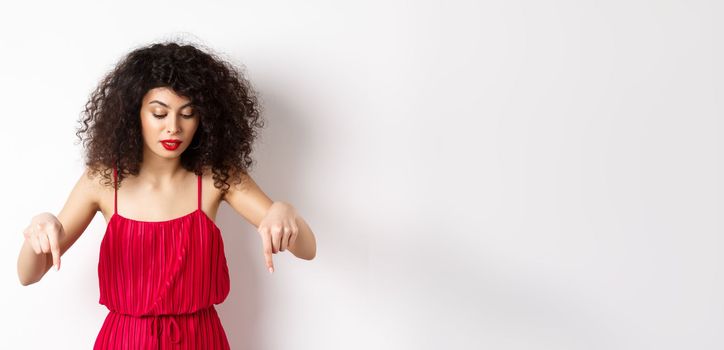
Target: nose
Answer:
[[172, 126]]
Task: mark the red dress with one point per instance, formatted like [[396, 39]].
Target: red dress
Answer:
[[160, 281]]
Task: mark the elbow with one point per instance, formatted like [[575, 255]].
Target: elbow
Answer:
[[311, 255], [25, 281], [304, 255], [26, 278]]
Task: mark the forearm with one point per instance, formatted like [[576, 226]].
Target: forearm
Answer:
[[32, 267], [305, 246]]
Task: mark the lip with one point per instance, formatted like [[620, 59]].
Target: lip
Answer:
[[170, 144]]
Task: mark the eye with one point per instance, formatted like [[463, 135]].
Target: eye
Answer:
[[187, 116]]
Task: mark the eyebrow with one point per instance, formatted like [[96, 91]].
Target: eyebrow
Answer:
[[165, 105]]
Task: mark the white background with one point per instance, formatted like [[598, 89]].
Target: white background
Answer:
[[478, 174]]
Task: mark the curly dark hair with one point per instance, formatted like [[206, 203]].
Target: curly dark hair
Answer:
[[228, 108]]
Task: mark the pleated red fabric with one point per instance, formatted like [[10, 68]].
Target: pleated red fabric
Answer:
[[160, 281]]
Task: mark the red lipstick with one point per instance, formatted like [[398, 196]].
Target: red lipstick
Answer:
[[170, 144]]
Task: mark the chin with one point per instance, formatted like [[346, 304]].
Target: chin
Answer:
[[164, 153]]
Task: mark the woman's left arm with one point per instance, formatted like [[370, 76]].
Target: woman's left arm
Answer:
[[288, 230], [278, 223], [305, 246]]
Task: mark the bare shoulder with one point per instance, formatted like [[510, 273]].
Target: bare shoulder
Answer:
[[95, 187], [89, 185], [208, 187], [95, 179], [237, 183]]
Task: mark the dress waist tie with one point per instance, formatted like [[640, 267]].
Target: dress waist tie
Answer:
[[161, 326], [155, 324]]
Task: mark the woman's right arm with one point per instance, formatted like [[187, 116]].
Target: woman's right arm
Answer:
[[78, 211]]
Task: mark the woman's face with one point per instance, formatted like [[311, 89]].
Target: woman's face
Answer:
[[167, 116]]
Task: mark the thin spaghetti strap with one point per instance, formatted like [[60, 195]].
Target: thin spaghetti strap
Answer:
[[115, 190], [199, 190]]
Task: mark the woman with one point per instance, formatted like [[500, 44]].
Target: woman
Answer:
[[168, 135]]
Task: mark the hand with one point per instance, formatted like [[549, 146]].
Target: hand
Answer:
[[278, 230], [44, 233]]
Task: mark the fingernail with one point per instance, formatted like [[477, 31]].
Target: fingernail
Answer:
[[271, 269]]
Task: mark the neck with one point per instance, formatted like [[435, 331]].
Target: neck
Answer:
[[157, 169]]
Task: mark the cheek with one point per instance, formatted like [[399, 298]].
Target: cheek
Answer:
[[145, 122], [150, 127], [151, 123], [192, 127]]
